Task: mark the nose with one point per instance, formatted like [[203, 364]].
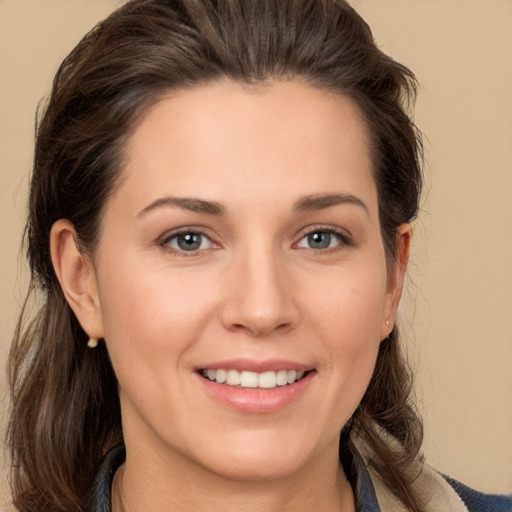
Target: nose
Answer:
[[259, 296]]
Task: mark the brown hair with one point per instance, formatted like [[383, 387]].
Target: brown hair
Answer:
[[65, 409]]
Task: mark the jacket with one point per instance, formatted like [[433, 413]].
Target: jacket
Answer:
[[442, 493]]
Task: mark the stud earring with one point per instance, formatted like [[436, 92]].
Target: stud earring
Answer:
[[92, 343], [387, 321]]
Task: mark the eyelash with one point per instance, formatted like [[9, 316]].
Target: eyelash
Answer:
[[166, 240], [343, 240], [342, 236]]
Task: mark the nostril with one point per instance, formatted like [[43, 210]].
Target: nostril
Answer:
[[258, 309]]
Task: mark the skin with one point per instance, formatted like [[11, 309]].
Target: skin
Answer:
[[256, 288]]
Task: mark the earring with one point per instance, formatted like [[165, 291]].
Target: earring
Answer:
[[387, 321], [92, 343]]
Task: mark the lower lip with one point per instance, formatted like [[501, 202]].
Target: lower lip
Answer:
[[257, 400]]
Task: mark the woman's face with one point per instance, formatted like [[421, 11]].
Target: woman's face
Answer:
[[243, 243]]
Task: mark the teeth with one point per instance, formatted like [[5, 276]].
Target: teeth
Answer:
[[282, 378], [233, 378], [292, 375], [248, 379], [245, 379], [267, 380]]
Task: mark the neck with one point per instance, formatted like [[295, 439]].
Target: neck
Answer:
[[139, 486]]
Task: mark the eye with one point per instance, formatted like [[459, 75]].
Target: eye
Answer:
[[321, 239], [188, 241]]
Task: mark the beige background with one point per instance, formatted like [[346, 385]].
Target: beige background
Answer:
[[460, 305]]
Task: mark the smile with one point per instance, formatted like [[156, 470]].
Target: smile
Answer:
[[248, 379]]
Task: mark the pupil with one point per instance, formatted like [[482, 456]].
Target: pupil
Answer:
[[319, 240], [189, 241]]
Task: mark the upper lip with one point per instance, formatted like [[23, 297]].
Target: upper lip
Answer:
[[244, 364]]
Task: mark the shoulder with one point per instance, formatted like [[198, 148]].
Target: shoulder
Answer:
[[477, 501]]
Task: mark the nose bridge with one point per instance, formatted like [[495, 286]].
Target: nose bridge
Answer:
[[258, 295]]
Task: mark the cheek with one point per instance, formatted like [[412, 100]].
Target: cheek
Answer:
[[350, 305], [153, 316], [348, 318]]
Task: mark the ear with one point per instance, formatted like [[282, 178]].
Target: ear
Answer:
[[77, 277], [396, 278]]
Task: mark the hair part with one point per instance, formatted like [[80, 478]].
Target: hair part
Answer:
[[124, 65]]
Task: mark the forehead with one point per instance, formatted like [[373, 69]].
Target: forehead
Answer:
[[225, 139]]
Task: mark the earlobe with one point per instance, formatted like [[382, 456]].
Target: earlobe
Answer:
[[76, 276], [397, 276]]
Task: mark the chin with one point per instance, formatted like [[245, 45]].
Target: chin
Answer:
[[259, 468], [260, 457]]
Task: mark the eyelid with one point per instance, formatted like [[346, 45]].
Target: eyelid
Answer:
[[344, 236], [163, 240]]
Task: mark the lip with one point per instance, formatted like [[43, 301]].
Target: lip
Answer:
[[249, 365], [257, 400]]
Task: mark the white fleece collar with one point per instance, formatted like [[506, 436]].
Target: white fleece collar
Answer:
[[438, 495]]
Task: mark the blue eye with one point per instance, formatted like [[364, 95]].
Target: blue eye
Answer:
[[320, 240], [188, 241]]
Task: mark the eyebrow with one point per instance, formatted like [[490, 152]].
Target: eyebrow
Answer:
[[306, 203], [187, 203], [321, 201]]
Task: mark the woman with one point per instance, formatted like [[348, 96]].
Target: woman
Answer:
[[220, 219]]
